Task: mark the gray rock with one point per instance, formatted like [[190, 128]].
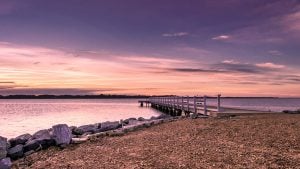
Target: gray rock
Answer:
[[84, 129], [153, 118], [22, 139], [16, 152], [194, 116], [141, 119], [131, 121], [32, 145], [291, 112], [105, 126], [3, 147], [62, 134], [42, 134], [44, 138], [5, 163], [126, 121]]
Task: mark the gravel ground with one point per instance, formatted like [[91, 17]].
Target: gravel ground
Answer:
[[257, 141]]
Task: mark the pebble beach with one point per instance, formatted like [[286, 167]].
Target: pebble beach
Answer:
[[248, 141]]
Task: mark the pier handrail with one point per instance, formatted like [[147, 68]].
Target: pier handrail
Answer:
[[194, 104]]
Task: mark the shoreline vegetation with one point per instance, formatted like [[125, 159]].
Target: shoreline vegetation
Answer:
[[243, 141]]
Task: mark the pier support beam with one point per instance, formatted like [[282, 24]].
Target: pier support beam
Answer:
[[219, 102]]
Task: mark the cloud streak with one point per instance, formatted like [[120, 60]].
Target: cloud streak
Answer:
[[221, 37], [177, 34]]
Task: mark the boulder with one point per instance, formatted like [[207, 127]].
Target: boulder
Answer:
[[44, 138], [15, 152], [126, 121], [72, 128], [62, 134], [3, 147], [5, 163], [32, 145], [41, 134], [153, 118], [291, 112], [22, 139], [84, 129], [131, 121], [105, 126], [141, 119]]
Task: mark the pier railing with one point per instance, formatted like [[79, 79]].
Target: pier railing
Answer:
[[177, 104]]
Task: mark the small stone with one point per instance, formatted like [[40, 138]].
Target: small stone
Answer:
[[16, 152], [62, 134], [3, 147], [194, 116], [5, 163]]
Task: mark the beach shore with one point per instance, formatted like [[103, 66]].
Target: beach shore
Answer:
[[251, 141]]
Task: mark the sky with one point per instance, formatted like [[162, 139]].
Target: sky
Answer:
[[182, 47]]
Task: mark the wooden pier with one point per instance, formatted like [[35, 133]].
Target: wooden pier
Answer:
[[177, 105]]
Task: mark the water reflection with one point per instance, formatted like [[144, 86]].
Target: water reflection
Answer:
[[22, 116]]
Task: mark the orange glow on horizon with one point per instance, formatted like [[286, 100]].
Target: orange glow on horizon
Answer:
[[31, 68]]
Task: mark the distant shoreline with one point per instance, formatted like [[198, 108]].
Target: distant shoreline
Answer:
[[73, 97], [102, 96]]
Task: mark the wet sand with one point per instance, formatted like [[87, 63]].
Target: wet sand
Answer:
[[249, 141]]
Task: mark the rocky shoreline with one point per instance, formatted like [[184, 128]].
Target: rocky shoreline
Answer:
[[62, 135]]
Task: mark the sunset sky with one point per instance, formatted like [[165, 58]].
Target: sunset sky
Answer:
[[183, 47]]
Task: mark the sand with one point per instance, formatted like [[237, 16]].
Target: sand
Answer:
[[251, 141]]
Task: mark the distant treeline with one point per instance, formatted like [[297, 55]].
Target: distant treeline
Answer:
[[101, 96]]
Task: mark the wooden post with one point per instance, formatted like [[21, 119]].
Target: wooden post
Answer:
[[204, 105], [188, 103], [195, 105], [219, 102], [182, 106]]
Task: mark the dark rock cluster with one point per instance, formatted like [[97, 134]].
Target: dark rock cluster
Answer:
[[62, 135]]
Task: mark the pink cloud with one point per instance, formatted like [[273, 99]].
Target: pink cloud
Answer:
[[270, 65], [292, 22]]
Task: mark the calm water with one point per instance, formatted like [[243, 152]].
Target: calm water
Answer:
[[22, 116], [264, 104]]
